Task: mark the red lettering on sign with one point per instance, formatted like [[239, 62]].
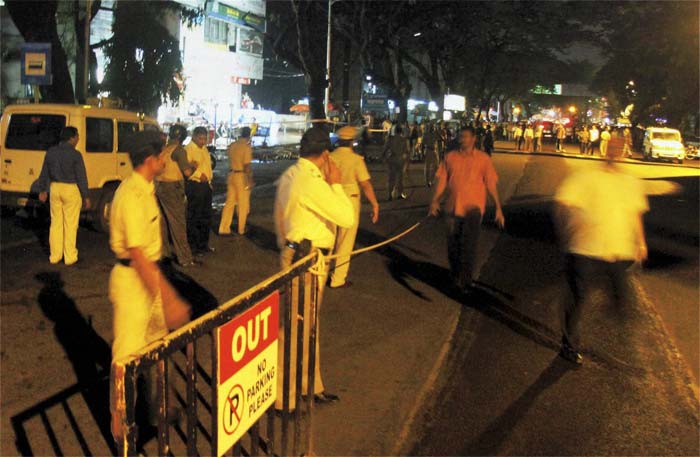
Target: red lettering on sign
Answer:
[[247, 335]]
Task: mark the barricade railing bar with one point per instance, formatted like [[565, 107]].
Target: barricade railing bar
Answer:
[[163, 359]]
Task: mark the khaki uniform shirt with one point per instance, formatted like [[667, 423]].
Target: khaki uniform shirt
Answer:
[[134, 220], [353, 169], [240, 154]]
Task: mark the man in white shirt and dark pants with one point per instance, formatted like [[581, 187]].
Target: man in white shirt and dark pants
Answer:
[[602, 236], [199, 193], [310, 203]]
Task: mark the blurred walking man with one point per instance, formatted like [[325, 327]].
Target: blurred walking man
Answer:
[[170, 190], [518, 135], [309, 204], [396, 157], [432, 155], [603, 236], [561, 137], [199, 193], [605, 141], [593, 138], [240, 181], [144, 303], [353, 176], [529, 135], [467, 175], [64, 182]]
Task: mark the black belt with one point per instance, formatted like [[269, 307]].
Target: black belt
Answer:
[[125, 262], [295, 246]]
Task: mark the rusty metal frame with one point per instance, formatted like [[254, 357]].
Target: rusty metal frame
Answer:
[[296, 285]]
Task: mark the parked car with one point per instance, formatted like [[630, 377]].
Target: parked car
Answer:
[[663, 143], [692, 147], [27, 131]]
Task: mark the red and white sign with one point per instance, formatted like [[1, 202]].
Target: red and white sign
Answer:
[[239, 80], [247, 377]]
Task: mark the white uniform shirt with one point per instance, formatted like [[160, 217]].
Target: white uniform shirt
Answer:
[[606, 206], [307, 207], [594, 135], [353, 169], [201, 156], [134, 220]]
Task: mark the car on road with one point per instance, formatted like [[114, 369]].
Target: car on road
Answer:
[[663, 143], [692, 147], [27, 131]]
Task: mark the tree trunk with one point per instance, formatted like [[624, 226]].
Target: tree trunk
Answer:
[[37, 24]]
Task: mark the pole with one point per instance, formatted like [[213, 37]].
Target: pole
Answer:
[[86, 51], [326, 98]]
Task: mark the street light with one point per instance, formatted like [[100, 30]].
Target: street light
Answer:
[[516, 110], [631, 83], [417, 34], [572, 109]]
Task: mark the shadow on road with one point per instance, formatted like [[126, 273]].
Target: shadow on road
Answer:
[[90, 357], [491, 439]]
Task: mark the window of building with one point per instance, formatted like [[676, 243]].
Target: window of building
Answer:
[[215, 31], [99, 134]]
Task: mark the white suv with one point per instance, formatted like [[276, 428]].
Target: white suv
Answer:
[[663, 143]]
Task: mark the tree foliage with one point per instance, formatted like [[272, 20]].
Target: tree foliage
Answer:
[[655, 45], [143, 58]]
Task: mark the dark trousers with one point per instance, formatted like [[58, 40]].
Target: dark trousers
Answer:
[[198, 214], [396, 179], [173, 204], [462, 240], [581, 273]]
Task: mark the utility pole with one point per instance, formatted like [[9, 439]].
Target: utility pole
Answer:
[[326, 98]]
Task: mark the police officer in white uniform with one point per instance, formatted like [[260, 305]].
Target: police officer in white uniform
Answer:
[[309, 204], [144, 304], [353, 175]]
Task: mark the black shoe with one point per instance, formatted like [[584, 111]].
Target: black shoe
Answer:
[[325, 397], [571, 355]]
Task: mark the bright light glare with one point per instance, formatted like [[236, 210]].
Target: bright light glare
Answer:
[[417, 34]]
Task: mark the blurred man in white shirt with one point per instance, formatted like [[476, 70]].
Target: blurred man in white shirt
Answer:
[[199, 193]]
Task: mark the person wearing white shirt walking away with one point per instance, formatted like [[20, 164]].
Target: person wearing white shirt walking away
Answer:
[[599, 216]]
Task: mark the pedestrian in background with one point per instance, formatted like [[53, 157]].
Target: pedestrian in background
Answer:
[[488, 140], [593, 139], [518, 135], [309, 204], [353, 177], [432, 156], [539, 131], [529, 135], [63, 181], [561, 137], [467, 175], [602, 236], [604, 141], [626, 142], [144, 304], [396, 156], [239, 183], [199, 193], [583, 138], [170, 191]]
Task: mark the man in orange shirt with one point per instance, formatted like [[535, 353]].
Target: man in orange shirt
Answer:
[[467, 174]]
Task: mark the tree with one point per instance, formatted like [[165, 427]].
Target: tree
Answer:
[[142, 56], [660, 76], [37, 24]]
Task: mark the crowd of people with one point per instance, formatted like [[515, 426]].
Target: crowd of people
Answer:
[[164, 209]]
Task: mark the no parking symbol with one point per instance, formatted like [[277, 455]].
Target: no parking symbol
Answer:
[[233, 409]]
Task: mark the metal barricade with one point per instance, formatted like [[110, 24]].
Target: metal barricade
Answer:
[[270, 435]]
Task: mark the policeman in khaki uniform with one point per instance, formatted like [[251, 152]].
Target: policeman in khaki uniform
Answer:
[[354, 175], [240, 179], [170, 190], [144, 304]]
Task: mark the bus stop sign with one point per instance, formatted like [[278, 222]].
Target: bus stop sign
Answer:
[[36, 64]]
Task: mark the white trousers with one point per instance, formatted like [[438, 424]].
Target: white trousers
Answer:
[[65, 203], [236, 195], [138, 318], [344, 244], [285, 261]]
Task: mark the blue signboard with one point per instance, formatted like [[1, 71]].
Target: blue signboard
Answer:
[[36, 64]]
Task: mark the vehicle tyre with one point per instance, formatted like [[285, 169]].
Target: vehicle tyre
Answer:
[[103, 209], [679, 161]]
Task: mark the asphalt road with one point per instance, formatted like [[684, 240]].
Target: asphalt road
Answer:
[[502, 390]]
